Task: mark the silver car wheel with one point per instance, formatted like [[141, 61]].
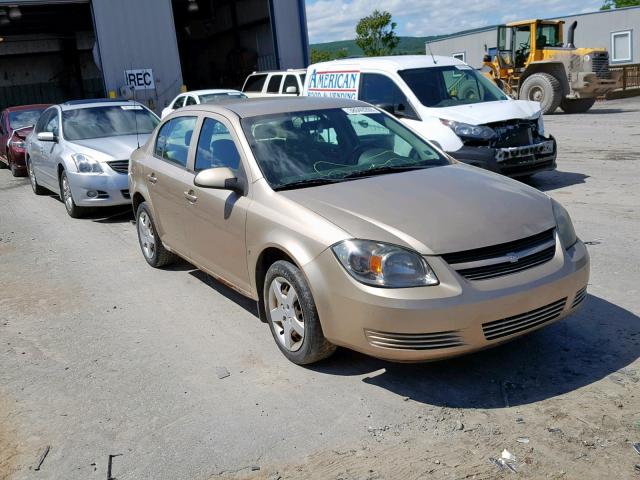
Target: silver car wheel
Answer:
[[32, 175], [147, 238], [286, 314], [66, 193]]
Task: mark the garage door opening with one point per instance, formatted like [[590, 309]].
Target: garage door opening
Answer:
[[47, 54], [221, 42]]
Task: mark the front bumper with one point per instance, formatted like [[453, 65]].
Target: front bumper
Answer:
[[456, 317], [511, 161], [111, 188]]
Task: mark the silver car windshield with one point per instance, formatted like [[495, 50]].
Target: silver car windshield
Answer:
[[451, 85], [308, 148], [107, 121]]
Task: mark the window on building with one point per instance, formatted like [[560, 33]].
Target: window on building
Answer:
[[460, 56], [621, 46]]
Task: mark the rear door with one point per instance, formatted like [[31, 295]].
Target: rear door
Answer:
[[168, 179]]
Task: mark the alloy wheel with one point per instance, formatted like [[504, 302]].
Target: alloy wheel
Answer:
[[147, 238], [66, 193], [286, 314]]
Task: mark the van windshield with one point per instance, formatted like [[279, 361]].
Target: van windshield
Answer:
[[450, 86]]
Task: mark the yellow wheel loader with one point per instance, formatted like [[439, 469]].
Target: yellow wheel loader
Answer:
[[533, 63]]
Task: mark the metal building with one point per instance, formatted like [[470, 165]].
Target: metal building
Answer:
[[51, 51], [617, 30]]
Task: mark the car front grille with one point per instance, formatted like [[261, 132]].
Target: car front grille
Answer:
[[600, 65], [525, 321], [414, 341], [580, 296], [120, 166]]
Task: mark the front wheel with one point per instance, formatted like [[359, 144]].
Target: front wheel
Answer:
[[577, 105], [67, 197], [293, 318], [37, 189]]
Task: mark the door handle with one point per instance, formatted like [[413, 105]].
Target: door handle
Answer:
[[190, 196], [152, 178]]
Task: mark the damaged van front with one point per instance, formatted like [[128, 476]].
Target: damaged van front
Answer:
[[450, 104]]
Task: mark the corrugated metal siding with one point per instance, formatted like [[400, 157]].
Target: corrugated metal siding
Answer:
[[139, 34]]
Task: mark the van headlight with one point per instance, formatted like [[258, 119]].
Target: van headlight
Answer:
[[86, 164], [384, 265], [564, 225], [469, 131]]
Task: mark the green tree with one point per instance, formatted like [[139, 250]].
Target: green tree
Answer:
[[318, 56], [609, 4], [342, 53], [376, 34]]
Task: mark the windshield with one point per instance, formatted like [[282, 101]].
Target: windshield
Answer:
[[298, 149], [24, 118], [451, 85], [216, 97], [107, 121]]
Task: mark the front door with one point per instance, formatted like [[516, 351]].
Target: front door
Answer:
[[217, 218]]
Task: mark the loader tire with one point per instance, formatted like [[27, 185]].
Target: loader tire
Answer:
[[577, 105], [543, 88]]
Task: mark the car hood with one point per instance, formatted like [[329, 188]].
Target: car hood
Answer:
[[433, 211], [489, 112], [109, 148]]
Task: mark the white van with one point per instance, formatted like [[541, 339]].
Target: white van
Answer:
[[274, 84], [447, 102]]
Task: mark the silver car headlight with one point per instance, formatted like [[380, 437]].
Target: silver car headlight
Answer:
[[384, 265], [469, 131], [86, 164], [564, 225]]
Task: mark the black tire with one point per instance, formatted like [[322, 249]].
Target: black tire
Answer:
[[37, 189], [543, 88], [14, 171], [577, 105], [73, 210], [158, 255], [4, 165], [314, 346]]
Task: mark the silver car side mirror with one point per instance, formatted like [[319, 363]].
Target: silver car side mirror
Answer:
[[47, 137], [221, 178]]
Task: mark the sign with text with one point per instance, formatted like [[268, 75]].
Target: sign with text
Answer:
[[337, 84], [140, 79]]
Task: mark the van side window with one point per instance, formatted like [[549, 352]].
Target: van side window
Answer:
[[216, 147], [274, 84], [379, 89], [254, 83], [174, 139]]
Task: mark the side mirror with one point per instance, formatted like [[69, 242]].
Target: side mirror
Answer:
[[221, 178], [291, 89], [47, 137]]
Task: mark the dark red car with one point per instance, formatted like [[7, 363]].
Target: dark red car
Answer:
[[15, 124]]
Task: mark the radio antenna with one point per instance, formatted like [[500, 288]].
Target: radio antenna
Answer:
[[135, 111], [432, 57]]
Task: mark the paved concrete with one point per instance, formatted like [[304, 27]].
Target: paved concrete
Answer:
[[102, 355]]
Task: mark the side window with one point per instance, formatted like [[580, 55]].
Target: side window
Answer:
[[42, 121], [190, 101], [379, 89], [52, 123], [290, 81], [216, 147], [173, 140], [254, 83], [178, 103], [274, 84]]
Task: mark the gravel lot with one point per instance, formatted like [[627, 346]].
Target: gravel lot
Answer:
[[101, 355]]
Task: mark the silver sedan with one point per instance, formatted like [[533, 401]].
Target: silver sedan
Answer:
[[81, 150]]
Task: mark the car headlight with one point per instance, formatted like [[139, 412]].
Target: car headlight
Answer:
[[564, 225], [17, 143], [469, 131], [384, 265], [86, 164]]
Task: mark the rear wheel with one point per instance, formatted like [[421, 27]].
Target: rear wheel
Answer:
[[14, 170], [543, 88], [152, 249], [37, 189], [577, 105], [293, 318], [67, 197]]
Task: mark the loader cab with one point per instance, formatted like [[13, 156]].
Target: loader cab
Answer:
[[520, 43]]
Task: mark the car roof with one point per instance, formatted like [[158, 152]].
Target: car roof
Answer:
[[291, 70], [253, 107], [34, 106], [211, 91], [393, 63]]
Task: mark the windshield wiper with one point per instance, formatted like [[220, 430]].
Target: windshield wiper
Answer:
[[382, 170], [306, 183]]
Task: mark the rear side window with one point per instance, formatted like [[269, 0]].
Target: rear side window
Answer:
[[173, 140], [191, 101], [274, 84], [178, 103], [290, 81], [254, 83]]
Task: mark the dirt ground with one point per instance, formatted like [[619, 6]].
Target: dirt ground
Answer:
[[101, 355]]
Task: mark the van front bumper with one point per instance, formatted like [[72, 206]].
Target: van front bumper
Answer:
[[511, 161], [456, 317]]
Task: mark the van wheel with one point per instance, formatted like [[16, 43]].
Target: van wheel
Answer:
[[152, 249], [37, 189], [578, 105], [543, 88], [67, 197], [292, 314]]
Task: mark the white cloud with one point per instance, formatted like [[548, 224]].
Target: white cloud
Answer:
[[330, 20]]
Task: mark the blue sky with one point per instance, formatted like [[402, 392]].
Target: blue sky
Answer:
[[330, 20]]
